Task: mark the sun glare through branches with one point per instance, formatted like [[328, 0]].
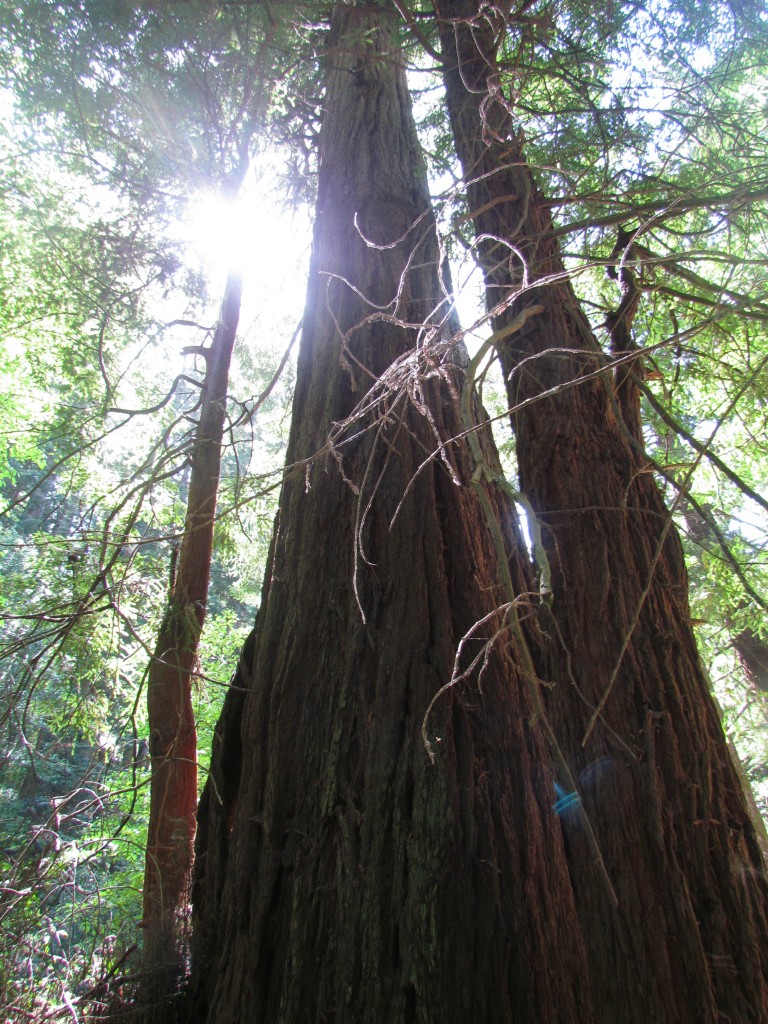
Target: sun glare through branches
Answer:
[[253, 235]]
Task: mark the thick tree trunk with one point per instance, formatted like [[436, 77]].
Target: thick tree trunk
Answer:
[[341, 875], [172, 732], [687, 941]]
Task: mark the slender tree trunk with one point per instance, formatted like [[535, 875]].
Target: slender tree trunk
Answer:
[[341, 875], [687, 941], [172, 732]]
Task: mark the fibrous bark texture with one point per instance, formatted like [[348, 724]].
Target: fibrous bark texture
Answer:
[[341, 874], [687, 940]]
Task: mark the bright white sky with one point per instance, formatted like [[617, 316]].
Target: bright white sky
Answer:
[[256, 236]]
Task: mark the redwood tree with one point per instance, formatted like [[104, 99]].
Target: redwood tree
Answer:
[[341, 874], [374, 845], [631, 708]]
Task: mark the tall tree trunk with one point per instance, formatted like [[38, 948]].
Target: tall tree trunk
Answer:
[[172, 732], [687, 941], [341, 875]]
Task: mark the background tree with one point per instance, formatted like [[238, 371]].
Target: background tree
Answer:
[[144, 115]]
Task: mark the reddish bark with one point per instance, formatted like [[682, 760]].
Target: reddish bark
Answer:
[[172, 731], [688, 939]]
